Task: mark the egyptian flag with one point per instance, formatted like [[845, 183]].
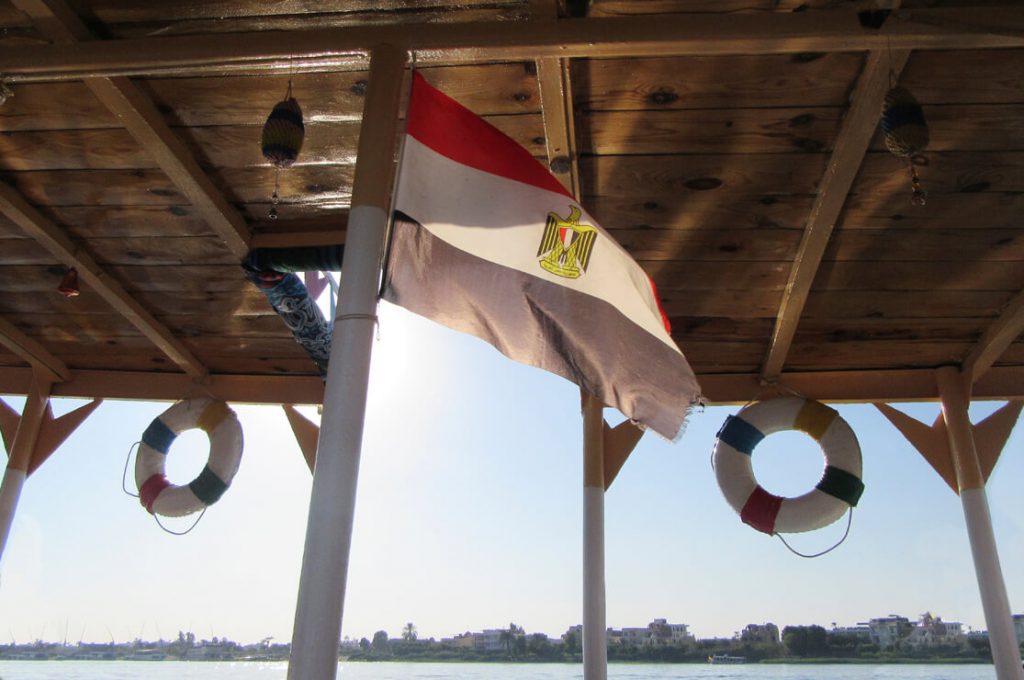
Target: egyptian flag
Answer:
[[488, 242]]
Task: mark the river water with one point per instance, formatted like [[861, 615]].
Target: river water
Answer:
[[184, 670]]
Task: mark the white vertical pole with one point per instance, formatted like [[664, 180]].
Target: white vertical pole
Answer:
[[595, 649], [314, 652], [22, 449], [971, 482]]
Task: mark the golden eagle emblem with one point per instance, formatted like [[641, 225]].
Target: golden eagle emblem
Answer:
[[566, 245]]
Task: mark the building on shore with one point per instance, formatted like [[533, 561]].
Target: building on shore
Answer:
[[762, 633]]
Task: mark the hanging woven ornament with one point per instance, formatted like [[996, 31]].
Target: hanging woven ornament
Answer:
[[283, 134], [906, 133]]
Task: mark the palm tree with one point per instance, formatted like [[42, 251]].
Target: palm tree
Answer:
[[409, 632]]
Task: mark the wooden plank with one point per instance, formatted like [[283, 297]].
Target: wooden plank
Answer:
[[296, 365], [664, 175], [823, 332], [778, 33], [997, 338], [893, 210], [317, 185], [938, 245], [746, 245], [265, 346], [258, 24], [162, 303], [860, 386], [71, 149], [96, 327], [325, 143], [736, 304], [161, 251], [186, 279], [32, 352], [710, 131], [941, 275], [61, 247], [128, 11], [45, 107], [938, 304], [615, 8], [868, 355], [864, 330], [966, 76], [716, 82], [718, 209], [708, 277], [486, 89], [970, 127], [130, 221], [946, 172], [169, 386], [858, 127], [840, 305]]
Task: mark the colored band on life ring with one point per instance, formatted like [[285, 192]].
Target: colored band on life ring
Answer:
[[157, 494], [839, 488], [150, 489]]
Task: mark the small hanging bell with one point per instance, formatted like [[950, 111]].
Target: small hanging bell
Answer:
[[68, 286]]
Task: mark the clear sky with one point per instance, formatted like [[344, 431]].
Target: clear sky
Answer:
[[469, 517]]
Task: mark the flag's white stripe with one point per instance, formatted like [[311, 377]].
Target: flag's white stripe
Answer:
[[489, 216]]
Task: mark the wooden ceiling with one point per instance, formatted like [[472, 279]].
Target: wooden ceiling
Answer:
[[731, 146]]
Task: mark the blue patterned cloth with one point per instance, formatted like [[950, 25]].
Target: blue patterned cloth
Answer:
[[290, 299]]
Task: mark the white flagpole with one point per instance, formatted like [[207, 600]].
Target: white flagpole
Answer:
[[22, 449], [994, 601], [595, 646], [317, 631]]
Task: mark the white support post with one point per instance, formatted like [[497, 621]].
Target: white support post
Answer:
[[971, 483], [22, 449], [317, 632], [595, 649]]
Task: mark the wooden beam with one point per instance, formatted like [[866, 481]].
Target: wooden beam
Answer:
[[55, 20], [859, 386], [54, 240], [555, 86], [31, 351], [660, 35], [996, 339], [302, 233], [999, 383], [234, 388], [858, 128]]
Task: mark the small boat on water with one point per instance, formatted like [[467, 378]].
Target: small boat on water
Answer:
[[726, 658]]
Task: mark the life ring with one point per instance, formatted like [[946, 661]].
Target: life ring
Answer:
[[840, 486], [221, 425]]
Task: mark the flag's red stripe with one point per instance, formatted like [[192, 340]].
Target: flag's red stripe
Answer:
[[661, 310], [452, 130]]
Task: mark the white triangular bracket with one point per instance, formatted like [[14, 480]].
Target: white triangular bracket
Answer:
[[932, 442], [307, 433]]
